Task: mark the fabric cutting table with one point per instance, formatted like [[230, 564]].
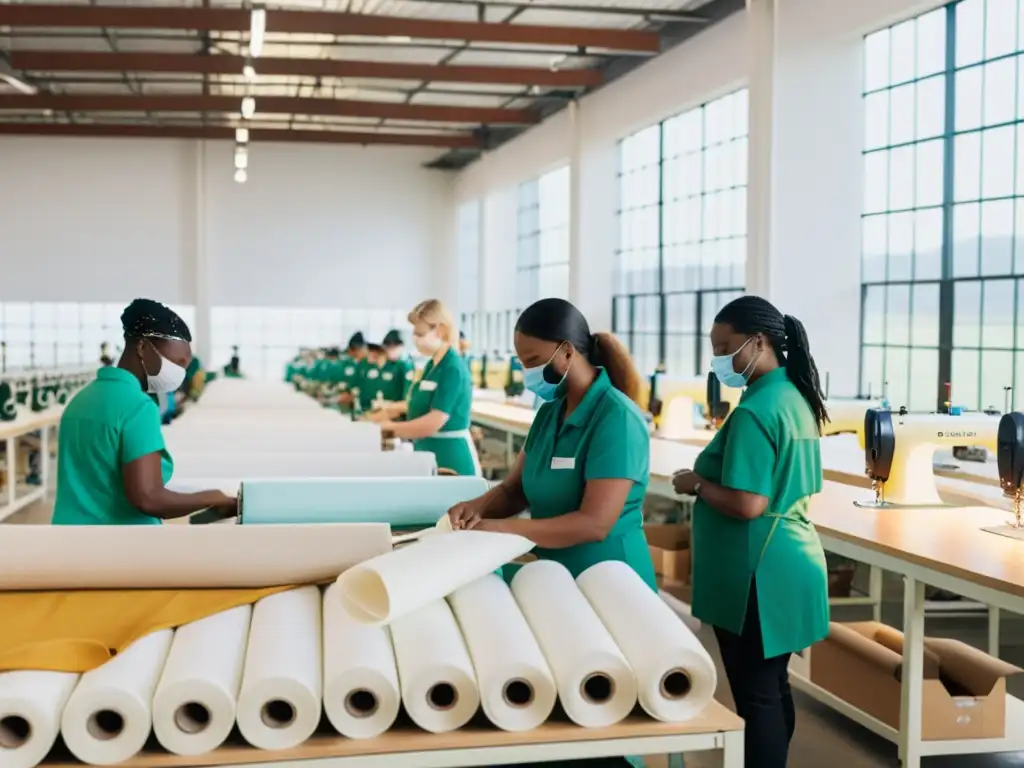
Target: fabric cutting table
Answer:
[[11, 432], [715, 729]]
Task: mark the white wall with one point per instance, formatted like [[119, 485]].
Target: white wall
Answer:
[[802, 60], [315, 226]]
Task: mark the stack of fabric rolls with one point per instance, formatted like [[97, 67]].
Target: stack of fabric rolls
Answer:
[[428, 627]]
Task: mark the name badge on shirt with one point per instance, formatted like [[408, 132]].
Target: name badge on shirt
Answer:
[[387, 376], [350, 371], [372, 374], [563, 462], [428, 386]]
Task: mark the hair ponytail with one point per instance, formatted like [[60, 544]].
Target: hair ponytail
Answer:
[[801, 369], [559, 321], [788, 337], [611, 354]]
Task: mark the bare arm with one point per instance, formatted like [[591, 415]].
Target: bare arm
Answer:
[[144, 487], [507, 498], [601, 507]]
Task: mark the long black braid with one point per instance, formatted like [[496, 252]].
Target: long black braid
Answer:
[[788, 337]]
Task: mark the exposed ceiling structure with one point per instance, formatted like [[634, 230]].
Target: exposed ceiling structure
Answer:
[[460, 75]]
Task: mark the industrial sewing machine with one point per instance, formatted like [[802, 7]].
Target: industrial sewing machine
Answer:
[[672, 402], [899, 450], [846, 415]]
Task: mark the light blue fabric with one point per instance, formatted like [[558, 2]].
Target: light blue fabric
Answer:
[[401, 502]]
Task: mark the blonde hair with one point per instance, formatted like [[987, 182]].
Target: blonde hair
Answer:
[[434, 313]]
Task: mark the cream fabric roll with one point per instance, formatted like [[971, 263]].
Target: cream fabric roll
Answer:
[[517, 689], [595, 682], [676, 677]]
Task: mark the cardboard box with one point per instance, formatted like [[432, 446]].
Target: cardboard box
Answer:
[[964, 691], [670, 551]]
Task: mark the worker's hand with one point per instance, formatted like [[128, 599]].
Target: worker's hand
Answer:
[[227, 506], [685, 482], [466, 515], [378, 417]]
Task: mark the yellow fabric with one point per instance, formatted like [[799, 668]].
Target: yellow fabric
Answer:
[[79, 631]]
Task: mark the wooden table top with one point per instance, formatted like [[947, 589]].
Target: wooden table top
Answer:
[[715, 719], [31, 422]]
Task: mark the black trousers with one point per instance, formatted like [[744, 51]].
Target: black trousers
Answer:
[[760, 688]]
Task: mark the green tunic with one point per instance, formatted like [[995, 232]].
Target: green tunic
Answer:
[[110, 423], [767, 446], [370, 384], [446, 388], [397, 377], [604, 438]]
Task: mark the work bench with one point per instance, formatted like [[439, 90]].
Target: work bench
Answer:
[[11, 432], [715, 729]]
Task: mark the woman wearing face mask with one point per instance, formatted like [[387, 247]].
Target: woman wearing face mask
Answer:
[[438, 411], [759, 575], [584, 469], [113, 466]]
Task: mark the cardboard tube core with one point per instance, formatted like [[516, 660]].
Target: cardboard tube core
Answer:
[[361, 703], [15, 731], [277, 713], [597, 688], [675, 684], [106, 724], [518, 693], [192, 717], [442, 696]]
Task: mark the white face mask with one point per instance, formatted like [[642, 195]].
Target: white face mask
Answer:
[[167, 379], [429, 344], [394, 353]]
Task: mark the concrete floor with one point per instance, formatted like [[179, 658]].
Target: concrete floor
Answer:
[[823, 737]]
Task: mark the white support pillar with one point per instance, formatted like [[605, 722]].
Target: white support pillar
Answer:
[[576, 278], [761, 38], [201, 273]]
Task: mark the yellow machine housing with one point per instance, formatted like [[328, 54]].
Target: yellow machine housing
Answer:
[[671, 403]]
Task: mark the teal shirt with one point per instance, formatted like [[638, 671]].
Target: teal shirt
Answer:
[[446, 387], [768, 446], [605, 438], [110, 423]]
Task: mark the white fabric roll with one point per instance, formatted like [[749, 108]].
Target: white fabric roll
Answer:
[[595, 683], [438, 682], [388, 586], [194, 704], [361, 693], [279, 703], [31, 704], [108, 717], [676, 677], [517, 689]]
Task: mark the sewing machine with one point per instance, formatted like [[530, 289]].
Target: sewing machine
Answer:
[[671, 403], [899, 450]]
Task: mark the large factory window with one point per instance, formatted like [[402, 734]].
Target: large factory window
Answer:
[[542, 238], [944, 207], [468, 250], [682, 232]]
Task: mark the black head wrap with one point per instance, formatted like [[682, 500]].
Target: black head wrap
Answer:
[[148, 319], [357, 341], [393, 339], [377, 348]]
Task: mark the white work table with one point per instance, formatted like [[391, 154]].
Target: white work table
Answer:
[[11, 432], [405, 747], [940, 546]]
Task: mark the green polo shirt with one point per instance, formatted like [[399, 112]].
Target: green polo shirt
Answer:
[[110, 423], [768, 446], [370, 384], [397, 377], [446, 387], [605, 438]]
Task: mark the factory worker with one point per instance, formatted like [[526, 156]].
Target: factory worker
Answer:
[[371, 381], [759, 575], [398, 371], [584, 469], [113, 466], [438, 408], [233, 370], [350, 368], [105, 359]]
